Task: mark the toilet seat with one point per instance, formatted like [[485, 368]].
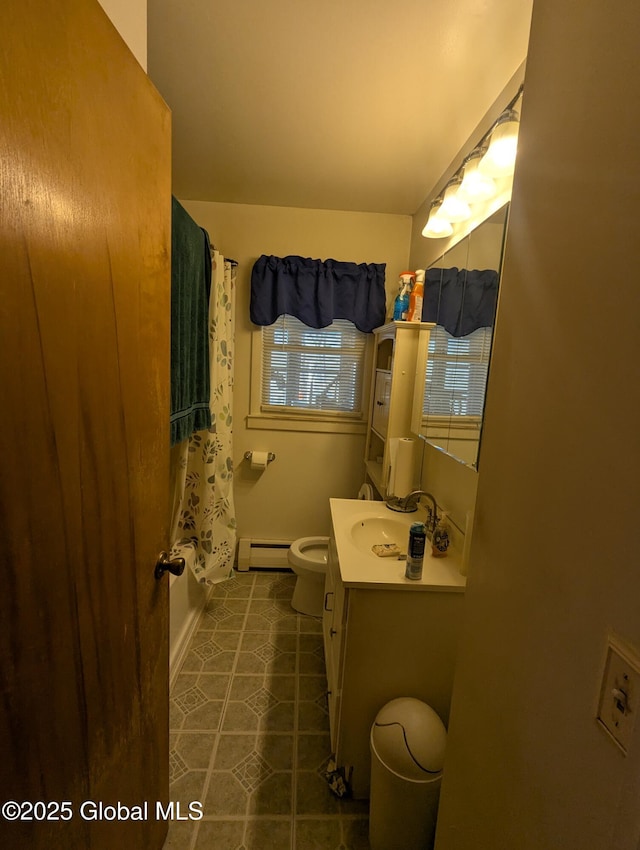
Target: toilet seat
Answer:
[[310, 553]]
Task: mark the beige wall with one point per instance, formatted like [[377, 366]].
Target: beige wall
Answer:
[[290, 498], [129, 17], [554, 561]]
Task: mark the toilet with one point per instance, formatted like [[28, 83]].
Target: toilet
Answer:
[[308, 559]]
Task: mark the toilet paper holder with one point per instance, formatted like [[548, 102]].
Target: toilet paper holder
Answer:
[[270, 456]]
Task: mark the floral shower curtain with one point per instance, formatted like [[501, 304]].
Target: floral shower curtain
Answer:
[[203, 515]]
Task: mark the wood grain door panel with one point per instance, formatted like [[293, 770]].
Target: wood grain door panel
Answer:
[[85, 203]]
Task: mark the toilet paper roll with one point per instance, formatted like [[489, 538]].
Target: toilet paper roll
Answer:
[[259, 460], [402, 475], [365, 492]]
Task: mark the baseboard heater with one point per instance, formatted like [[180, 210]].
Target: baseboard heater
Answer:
[[254, 554]]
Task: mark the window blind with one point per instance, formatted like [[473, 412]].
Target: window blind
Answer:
[[308, 370], [456, 373]]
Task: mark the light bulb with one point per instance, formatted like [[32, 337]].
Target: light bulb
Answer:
[[500, 158], [437, 226], [454, 208], [475, 185]]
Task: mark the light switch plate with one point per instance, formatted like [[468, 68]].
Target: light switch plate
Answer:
[[620, 692]]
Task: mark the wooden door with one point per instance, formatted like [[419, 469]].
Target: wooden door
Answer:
[[85, 202]]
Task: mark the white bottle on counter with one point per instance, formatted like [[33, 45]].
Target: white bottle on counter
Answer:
[[440, 539]]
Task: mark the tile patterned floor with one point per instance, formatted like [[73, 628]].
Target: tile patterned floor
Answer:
[[250, 729]]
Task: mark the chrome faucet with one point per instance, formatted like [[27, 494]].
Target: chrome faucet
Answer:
[[408, 504]]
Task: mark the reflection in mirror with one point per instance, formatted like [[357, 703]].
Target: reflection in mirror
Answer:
[[461, 292]]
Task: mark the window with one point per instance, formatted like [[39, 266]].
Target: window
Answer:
[[312, 371], [456, 373]]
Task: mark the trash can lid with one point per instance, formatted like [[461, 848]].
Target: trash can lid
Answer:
[[409, 738]]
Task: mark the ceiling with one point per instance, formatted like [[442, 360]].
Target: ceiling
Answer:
[[328, 104]]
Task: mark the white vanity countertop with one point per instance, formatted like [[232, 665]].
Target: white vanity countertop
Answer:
[[355, 526]]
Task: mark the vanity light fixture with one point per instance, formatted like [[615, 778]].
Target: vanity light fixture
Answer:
[[500, 158], [454, 208], [437, 226], [475, 185]]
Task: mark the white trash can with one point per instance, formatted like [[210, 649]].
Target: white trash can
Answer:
[[408, 742]]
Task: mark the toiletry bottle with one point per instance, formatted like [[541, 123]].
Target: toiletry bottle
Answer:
[[416, 298], [440, 539], [401, 304], [415, 551], [406, 282]]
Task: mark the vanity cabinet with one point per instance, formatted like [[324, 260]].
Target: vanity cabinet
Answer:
[[333, 631], [382, 642], [392, 385]]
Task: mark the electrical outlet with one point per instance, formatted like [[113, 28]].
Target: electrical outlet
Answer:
[[620, 693]]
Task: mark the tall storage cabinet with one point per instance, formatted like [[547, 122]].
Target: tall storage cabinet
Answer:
[[392, 385]]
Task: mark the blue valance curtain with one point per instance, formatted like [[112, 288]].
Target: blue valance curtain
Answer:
[[317, 292], [460, 300]]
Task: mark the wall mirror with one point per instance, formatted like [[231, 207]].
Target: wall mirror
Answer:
[[453, 364]]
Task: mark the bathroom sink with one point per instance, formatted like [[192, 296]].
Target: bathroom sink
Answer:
[[369, 531], [359, 524]]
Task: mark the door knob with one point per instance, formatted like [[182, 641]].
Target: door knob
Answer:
[[165, 564]]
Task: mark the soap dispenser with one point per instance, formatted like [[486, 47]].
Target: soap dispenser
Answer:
[[440, 538]]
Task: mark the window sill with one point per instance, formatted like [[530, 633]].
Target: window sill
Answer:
[[269, 422]]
